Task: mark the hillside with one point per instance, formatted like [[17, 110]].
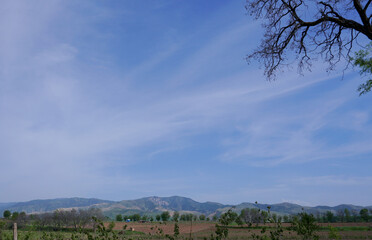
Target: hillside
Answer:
[[154, 205], [47, 205]]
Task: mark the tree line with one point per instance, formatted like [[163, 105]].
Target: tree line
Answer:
[[83, 217], [89, 223], [346, 215], [58, 219], [164, 216], [255, 216]]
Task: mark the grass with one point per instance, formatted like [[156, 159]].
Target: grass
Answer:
[[235, 232], [58, 235]]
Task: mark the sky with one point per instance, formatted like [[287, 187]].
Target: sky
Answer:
[[122, 100]]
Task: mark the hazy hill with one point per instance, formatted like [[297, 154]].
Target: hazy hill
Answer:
[[280, 208], [155, 205], [6, 205], [37, 206]]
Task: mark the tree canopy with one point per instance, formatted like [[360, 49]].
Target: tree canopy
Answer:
[[363, 60], [7, 214], [165, 216], [311, 28]]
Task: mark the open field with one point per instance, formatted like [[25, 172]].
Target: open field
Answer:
[[185, 227], [202, 230], [198, 230]]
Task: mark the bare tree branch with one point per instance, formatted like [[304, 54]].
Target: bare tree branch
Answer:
[[329, 32]]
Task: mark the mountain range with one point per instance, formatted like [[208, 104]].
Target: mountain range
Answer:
[[155, 205]]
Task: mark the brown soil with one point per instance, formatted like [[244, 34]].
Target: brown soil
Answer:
[[201, 230], [167, 228]]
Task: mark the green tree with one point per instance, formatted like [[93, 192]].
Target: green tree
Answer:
[[202, 217], [165, 216], [176, 216], [347, 215], [330, 216], [222, 232], [363, 60], [158, 217], [7, 214], [111, 226], [265, 216], [228, 217], [333, 233], [251, 215], [274, 217], [119, 218], [136, 217], [239, 221], [364, 214], [277, 232], [340, 215], [176, 230], [330, 31], [354, 214], [305, 226], [225, 219], [15, 215]]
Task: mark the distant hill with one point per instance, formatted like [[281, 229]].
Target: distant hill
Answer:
[[6, 205], [280, 208], [155, 205], [38, 206]]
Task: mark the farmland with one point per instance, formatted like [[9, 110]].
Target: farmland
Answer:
[[194, 230], [201, 230]]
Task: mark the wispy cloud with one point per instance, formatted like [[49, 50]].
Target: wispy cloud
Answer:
[[293, 136], [334, 181]]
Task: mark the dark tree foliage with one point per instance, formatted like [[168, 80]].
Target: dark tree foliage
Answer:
[[310, 28], [187, 217], [363, 60], [7, 214], [364, 214], [15, 215], [165, 216], [330, 216], [228, 217], [61, 218], [176, 216], [251, 216], [305, 226], [135, 217], [176, 230], [119, 218]]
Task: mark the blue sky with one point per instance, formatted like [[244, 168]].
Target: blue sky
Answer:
[[127, 99]]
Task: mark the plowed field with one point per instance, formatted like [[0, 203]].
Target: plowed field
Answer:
[[202, 230]]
